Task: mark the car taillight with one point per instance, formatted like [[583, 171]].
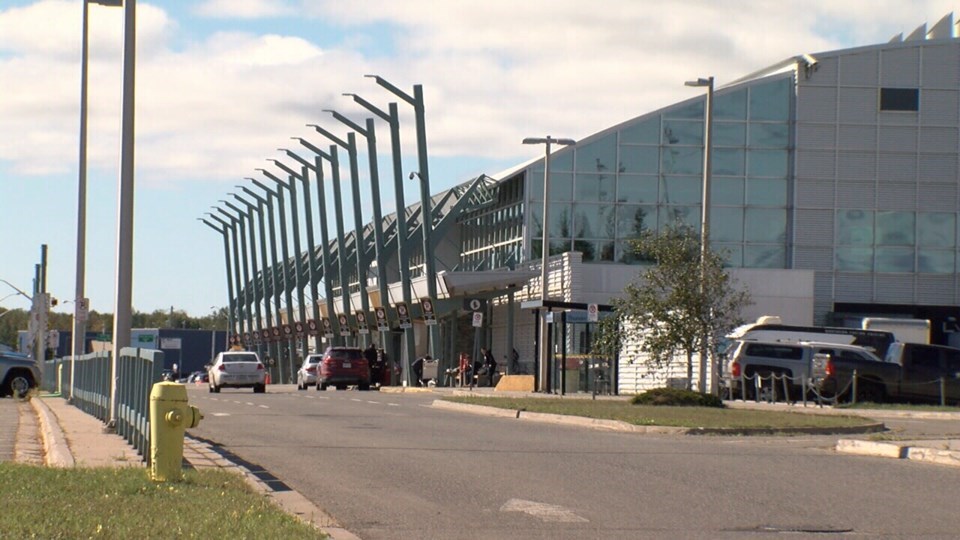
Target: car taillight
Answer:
[[735, 368], [259, 366], [222, 367], [328, 361], [828, 369], [311, 369]]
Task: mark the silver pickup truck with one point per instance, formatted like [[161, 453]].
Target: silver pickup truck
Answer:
[[18, 374]]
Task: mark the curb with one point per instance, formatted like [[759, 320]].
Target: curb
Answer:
[[618, 425], [899, 451], [56, 450]]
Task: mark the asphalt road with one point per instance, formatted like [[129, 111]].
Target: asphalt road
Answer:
[[388, 466]]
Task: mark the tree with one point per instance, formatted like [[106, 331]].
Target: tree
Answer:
[[667, 304]]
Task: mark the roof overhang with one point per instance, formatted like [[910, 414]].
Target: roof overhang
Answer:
[[474, 283]]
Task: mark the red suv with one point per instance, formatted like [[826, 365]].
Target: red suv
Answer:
[[343, 366]]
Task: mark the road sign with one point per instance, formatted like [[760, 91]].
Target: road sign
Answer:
[[381, 315], [344, 325], [299, 328], [477, 319], [83, 309], [362, 327], [404, 315], [312, 327], [592, 313], [429, 317], [172, 342], [473, 304], [327, 327]]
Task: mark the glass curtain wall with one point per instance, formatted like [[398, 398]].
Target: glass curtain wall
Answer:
[[647, 174]]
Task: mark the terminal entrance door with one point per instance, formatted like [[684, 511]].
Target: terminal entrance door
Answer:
[[573, 368]]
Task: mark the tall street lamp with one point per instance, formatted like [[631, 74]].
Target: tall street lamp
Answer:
[[80, 303], [547, 141], [705, 229]]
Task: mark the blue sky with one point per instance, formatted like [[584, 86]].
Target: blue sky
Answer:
[[221, 84]]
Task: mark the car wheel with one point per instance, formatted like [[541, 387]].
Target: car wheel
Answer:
[[341, 387], [300, 385], [259, 388], [18, 386], [321, 386], [216, 389], [870, 392], [363, 386]]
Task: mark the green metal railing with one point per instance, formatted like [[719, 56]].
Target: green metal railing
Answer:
[[137, 371]]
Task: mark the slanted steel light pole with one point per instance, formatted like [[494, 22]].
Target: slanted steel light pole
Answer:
[[226, 255], [304, 176], [237, 313], [548, 141], [259, 292], [705, 232], [369, 133], [249, 296], [333, 159], [274, 262], [426, 214], [392, 118], [350, 145]]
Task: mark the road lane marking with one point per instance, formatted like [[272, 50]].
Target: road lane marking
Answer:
[[543, 511], [373, 402], [263, 406], [220, 414], [357, 400], [393, 404]]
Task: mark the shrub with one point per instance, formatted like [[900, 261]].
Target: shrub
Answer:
[[677, 398]]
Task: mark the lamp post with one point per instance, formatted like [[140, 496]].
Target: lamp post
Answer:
[[79, 314], [705, 229], [226, 255], [547, 141]]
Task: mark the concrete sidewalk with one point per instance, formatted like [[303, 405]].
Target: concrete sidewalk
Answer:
[[57, 434]]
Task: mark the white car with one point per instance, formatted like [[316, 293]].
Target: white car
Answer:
[[307, 374], [238, 369]]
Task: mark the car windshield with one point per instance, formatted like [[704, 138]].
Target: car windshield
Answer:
[[240, 358], [344, 354]]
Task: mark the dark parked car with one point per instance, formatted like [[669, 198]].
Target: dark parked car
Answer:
[[18, 375], [342, 367]]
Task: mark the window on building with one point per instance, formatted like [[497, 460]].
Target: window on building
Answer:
[[899, 99]]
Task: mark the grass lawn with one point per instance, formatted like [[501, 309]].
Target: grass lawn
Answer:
[[648, 415], [41, 502]]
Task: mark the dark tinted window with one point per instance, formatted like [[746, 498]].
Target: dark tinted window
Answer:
[[345, 354], [240, 358], [774, 351], [927, 357], [899, 99]]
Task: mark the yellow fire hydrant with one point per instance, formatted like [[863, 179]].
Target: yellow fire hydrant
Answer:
[[170, 416]]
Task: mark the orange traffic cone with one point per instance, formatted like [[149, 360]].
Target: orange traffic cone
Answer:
[[267, 381]]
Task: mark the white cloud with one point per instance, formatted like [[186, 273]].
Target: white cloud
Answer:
[[243, 9]]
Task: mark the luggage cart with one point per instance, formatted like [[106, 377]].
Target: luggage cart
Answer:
[[431, 370]]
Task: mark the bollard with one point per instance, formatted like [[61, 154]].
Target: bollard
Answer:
[[943, 392], [170, 415], [853, 393]]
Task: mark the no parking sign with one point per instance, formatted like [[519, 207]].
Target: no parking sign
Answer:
[[592, 313]]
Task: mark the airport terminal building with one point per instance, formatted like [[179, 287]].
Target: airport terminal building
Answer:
[[834, 193]]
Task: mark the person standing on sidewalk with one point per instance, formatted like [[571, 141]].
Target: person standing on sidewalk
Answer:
[[489, 365], [466, 370]]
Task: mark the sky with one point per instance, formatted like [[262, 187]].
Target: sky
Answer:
[[222, 84]]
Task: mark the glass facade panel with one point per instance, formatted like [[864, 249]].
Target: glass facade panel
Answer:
[[771, 101], [936, 229], [729, 133], [765, 225], [683, 132], [594, 221], [682, 160], [855, 259], [599, 156], [681, 189], [768, 163], [755, 256], [894, 259], [730, 105], [726, 191], [632, 220], [685, 215], [595, 187], [769, 135], [690, 110], [935, 261], [895, 229], [855, 227], [637, 189], [726, 224], [727, 162], [646, 132], [732, 254], [639, 159], [561, 185], [561, 160], [561, 225], [766, 192]]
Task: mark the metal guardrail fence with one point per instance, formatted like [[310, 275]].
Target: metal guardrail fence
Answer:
[[137, 371], [781, 387]]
